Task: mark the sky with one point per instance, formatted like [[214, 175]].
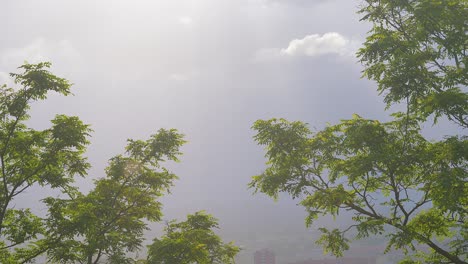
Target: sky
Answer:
[[208, 68]]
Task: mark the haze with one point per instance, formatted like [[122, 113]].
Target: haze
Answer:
[[208, 68]]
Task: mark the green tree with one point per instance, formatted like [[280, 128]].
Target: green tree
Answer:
[[416, 51], [387, 174], [108, 223], [395, 182], [192, 241], [49, 158], [102, 226]]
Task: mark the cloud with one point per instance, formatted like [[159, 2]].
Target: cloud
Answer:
[[12, 58], [311, 46], [33, 53], [38, 50], [315, 45]]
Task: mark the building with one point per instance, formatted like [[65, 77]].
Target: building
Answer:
[[264, 256]]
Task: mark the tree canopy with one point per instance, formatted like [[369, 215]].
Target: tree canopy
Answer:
[[387, 174], [416, 52], [108, 222], [396, 182], [51, 157], [192, 241], [105, 225]]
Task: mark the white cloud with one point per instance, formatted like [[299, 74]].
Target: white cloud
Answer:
[[185, 20], [311, 46], [315, 45]]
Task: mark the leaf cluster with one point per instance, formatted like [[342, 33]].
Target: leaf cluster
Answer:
[[51, 157], [387, 174], [108, 222], [104, 225], [191, 241], [416, 51]]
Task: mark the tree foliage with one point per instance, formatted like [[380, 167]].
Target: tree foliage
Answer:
[[192, 241], [387, 174], [102, 226], [108, 223], [416, 51], [51, 157], [395, 182]]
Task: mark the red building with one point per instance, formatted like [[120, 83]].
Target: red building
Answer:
[[264, 256]]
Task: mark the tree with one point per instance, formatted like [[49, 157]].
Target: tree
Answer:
[[107, 223], [51, 157], [192, 241], [394, 181], [387, 174], [416, 51], [102, 226]]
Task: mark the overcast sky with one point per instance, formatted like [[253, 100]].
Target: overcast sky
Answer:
[[208, 68]]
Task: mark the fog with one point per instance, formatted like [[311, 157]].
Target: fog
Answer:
[[208, 68]]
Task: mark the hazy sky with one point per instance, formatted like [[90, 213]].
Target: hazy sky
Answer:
[[208, 68]]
